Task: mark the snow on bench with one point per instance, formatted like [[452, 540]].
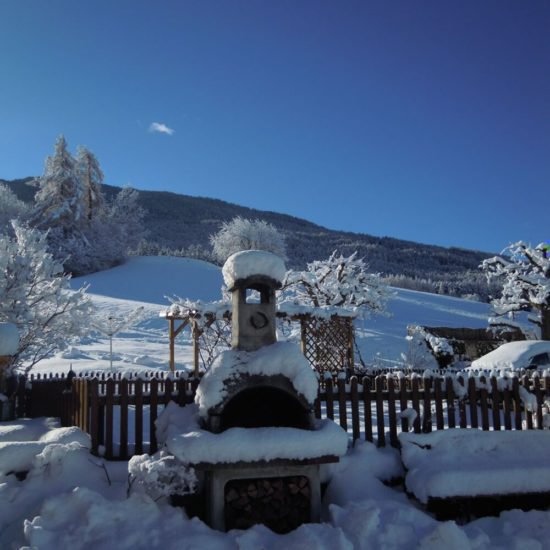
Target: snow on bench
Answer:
[[469, 464], [22, 440]]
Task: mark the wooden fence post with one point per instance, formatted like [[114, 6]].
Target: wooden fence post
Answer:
[[392, 415], [427, 405], [356, 432], [367, 409], [379, 385], [342, 403]]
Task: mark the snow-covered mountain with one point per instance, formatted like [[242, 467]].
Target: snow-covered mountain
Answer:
[[175, 222]]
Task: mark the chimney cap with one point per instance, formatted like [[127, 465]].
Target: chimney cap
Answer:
[[248, 265]]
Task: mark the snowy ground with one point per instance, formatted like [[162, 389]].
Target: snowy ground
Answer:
[[73, 500]]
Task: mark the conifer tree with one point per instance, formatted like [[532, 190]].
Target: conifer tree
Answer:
[[91, 179], [59, 202]]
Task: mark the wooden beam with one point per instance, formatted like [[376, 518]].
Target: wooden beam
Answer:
[[196, 333], [173, 331], [172, 337]]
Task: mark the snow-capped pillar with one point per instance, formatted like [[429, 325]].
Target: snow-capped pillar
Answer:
[[252, 277]]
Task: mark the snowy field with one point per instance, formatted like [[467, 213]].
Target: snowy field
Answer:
[[147, 281], [71, 499]]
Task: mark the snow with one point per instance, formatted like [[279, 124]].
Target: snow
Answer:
[[242, 265], [17, 456], [71, 499], [144, 281], [511, 356], [470, 462], [9, 339], [183, 437], [280, 358]]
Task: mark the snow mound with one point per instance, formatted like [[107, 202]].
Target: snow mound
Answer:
[[253, 262], [19, 456]]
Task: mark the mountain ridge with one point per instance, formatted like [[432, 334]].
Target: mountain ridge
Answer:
[[182, 224]]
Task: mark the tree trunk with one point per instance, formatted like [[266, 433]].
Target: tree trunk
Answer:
[[545, 324]]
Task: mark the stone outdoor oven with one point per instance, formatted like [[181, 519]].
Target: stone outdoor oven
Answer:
[[260, 446]]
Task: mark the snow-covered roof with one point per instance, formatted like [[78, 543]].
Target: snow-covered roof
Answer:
[[513, 355], [283, 358], [9, 339], [179, 430], [246, 263]]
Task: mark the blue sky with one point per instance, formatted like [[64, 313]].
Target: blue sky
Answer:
[[422, 120]]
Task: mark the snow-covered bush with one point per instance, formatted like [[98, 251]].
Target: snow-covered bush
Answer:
[[525, 273], [244, 234], [428, 351], [161, 475], [36, 297]]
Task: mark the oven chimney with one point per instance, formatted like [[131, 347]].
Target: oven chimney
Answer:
[[252, 277]]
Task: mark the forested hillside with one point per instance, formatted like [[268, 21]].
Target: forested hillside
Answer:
[[182, 224]]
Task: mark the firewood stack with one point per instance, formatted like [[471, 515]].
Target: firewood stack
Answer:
[[281, 503]]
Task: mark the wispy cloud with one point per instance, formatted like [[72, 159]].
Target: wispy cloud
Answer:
[[160, 128]]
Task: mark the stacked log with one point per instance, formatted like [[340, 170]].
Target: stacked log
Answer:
[[282, 503]]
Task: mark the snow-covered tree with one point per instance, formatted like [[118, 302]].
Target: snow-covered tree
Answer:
[[11, 208], [59, 202], [35, 296], [525, 273], [339, 281], [244, 234], [110, 325], [91, 179], [85, 232]]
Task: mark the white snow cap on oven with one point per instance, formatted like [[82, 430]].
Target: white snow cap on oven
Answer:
[[280, 358], [242, 265]]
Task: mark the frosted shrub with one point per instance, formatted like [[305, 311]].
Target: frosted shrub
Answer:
[[161, 475]]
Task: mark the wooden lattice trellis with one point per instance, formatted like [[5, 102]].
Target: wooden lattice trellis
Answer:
[[327, 342]]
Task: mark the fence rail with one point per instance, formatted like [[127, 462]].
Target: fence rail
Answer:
[[120, 413]]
